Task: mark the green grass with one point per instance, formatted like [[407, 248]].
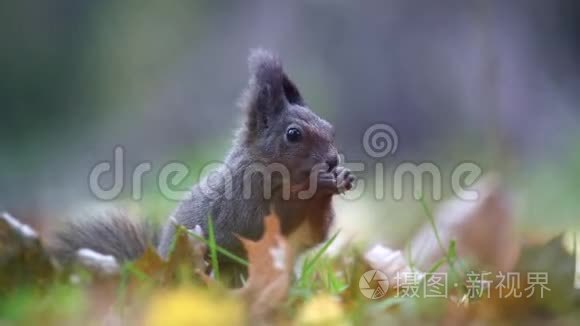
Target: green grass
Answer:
[[212, 244], [219, 249], [310, 263]]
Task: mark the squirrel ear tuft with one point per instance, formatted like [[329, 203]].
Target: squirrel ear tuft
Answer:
[[269, 90], [268, 78], [265, 68]]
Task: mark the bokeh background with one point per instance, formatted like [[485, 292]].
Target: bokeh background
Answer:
[[494, 82]]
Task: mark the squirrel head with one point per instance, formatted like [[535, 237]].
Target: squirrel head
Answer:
[[279, 127]]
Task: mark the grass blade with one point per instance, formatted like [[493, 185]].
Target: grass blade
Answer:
[[308, 265], [449, 253], [432, 222], [219, 249], [213, 248]]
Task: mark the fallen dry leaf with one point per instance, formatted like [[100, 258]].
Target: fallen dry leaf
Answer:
[[484, 230], [391, 263], [188, 252], [515, 302], [269, 273], [23, 259], [151, 264]]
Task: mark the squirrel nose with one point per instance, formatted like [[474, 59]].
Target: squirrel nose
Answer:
[[332, 163]]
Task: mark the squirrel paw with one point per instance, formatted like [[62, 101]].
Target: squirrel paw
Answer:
[[344, 179], [338, 181], [327, 183]]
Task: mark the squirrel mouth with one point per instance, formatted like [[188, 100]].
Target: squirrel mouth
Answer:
[[313, 170]]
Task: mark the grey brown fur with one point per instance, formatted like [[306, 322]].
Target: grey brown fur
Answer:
[[114, 234], [272, 104]]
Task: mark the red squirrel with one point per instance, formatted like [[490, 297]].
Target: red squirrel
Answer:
[[297, 176]]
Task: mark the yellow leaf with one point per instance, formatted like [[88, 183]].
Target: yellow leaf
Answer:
[[322, 310], [194, 306]]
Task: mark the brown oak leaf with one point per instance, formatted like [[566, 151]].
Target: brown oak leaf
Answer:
[[188, 252], [271, 262]]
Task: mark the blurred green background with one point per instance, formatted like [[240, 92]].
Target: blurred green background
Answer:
[[493, 82]]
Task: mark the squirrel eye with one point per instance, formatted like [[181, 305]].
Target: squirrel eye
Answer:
[[293, 135]]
